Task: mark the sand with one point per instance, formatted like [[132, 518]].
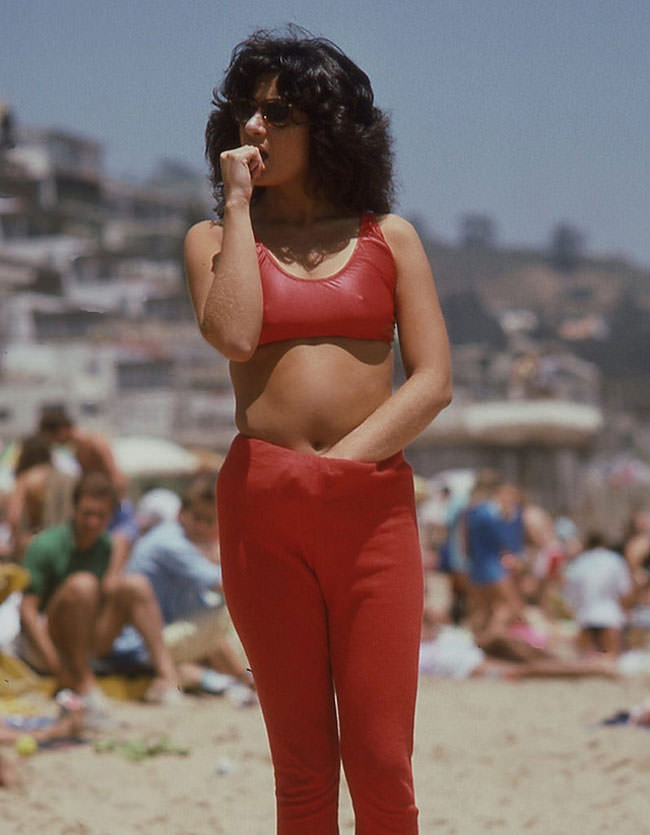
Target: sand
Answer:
[[490, 756]]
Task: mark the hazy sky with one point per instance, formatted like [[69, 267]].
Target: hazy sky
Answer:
[[533, 112]]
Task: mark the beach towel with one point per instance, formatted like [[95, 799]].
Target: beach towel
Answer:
[[17, 678]]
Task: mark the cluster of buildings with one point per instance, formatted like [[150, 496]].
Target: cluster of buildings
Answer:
[[94, 314]]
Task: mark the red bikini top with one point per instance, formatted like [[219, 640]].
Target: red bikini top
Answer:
[[357, 301]]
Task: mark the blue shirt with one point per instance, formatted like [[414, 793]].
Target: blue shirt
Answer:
[[178, 571], [486, 541], [512, 533]]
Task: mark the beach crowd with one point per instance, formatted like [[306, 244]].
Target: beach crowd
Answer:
[[530, 594], [97, 581]]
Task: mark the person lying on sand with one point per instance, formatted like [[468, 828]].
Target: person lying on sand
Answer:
[[69, 724], [453, 653]]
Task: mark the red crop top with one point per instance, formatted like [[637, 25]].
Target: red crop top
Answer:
[[357, 301]]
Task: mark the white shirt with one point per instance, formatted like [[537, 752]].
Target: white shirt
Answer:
[[595, 583]]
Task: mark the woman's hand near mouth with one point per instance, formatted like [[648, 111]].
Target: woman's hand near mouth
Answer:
[[240, 168]]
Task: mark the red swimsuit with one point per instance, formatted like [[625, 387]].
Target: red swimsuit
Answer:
[[357, 301]]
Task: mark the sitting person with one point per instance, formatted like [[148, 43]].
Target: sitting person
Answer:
[[598, 587], [41, 496], [155, 506], [179, 559], [92, 452], [68, 616]]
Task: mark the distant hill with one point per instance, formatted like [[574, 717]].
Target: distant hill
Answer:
[[600, 309]]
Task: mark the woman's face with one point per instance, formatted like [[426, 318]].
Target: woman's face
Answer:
[[284, 150]]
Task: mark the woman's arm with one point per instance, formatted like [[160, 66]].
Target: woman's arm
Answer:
[[221, 263], [425, 354]]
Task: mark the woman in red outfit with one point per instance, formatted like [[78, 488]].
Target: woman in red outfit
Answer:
[[300, 283]]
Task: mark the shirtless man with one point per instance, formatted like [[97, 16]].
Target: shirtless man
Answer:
[[92, 452]]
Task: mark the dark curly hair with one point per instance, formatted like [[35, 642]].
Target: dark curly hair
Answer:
[[349, 140]]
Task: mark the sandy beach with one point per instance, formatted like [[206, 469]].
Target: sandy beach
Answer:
[[490, 756]]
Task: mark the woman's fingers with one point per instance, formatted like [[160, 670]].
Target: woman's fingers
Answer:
[[240, 167], [256, 164]]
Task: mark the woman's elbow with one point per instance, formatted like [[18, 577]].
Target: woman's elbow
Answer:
[[440, 396], [445, 395], [438, 403], [233, 347], [239, 352]]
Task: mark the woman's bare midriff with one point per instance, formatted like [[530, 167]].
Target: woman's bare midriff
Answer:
[[308, 394]]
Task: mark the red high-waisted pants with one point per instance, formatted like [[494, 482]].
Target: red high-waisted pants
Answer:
[[322, 575]]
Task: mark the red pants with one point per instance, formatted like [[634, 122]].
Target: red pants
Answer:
[[322, 575]]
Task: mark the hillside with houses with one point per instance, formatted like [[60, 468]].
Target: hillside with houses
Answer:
[[550, 346]]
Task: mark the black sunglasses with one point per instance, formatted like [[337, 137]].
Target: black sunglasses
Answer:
[[276, 112]]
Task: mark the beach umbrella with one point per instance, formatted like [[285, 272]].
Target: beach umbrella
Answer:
[[143, 455]]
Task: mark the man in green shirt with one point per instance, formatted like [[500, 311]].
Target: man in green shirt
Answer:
[[76, 602]]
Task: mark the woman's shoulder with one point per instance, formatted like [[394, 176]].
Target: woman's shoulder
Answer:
[[205, 232], [396, 225], [202, 243], [399, 233]]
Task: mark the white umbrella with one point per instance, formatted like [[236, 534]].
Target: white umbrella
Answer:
[[142, 455]]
